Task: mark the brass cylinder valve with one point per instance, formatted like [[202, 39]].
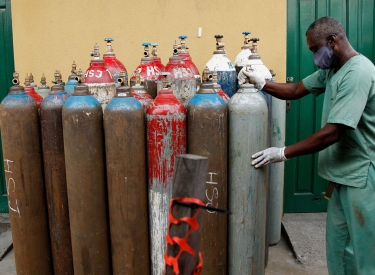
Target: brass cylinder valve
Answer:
[[43, 80], [95, 53], [15, 80], [219, 43], [121, 79]]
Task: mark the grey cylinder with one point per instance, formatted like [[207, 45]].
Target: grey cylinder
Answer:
[[276, 172], [248, 134]]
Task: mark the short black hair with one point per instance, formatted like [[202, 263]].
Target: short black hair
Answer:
[[325, 26]]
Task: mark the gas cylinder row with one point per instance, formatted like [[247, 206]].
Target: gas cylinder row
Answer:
[[120, 171], [102, 75]]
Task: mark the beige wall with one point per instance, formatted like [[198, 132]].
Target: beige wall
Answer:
[[50, 34]]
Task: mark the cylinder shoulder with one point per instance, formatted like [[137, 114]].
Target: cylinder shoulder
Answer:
[[248, 101], [207, 100], [76, 102], [125, 103]]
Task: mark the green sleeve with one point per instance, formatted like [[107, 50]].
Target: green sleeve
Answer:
[[316, 82], [348, 103]]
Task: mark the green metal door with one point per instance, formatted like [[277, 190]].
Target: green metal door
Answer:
[[304, 189], [6, 71]]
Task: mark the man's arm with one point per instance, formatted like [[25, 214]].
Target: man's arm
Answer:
[[286, 91], [328, 135]]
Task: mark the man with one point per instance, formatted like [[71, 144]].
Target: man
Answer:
[[346, 143]]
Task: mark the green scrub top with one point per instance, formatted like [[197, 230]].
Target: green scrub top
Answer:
[[348, 100]]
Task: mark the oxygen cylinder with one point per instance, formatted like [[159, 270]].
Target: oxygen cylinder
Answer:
[[31, 92], [43, 90], [32, 83], [72, 80], [86, 182], [55, 178], [99, 79], [207, 136], [218, 89], [113, 65], [185, 55], [125, 133], [148, 71], [248, 133], [140, 93], [278, 113], [156, 59], [23, 166], [243, 56], [226, 73], [166, 138], [256, 63], [183, 83]]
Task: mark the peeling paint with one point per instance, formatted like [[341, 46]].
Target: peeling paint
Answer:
[[166, 138]]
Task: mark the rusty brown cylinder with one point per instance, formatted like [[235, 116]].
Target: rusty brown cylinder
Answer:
[[23, 167], [55, 179], [86, 182], [125, 142], [207, 126]]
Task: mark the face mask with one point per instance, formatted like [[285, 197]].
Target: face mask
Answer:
[[323, 57]]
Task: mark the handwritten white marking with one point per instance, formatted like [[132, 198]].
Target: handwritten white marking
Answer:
[[214, 195], [11, 182]]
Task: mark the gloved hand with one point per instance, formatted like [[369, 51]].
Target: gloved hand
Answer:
[[270, 155], [254, 78]]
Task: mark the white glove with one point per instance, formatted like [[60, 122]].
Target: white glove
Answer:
[[270, 155], [254, 78]]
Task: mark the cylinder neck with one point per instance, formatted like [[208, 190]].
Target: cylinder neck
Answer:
[[16, 90], [123, 91], [206, 88], [56, 88], [81, 90], [247, 88]]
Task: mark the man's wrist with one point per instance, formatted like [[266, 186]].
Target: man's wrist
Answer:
[[283, 154]]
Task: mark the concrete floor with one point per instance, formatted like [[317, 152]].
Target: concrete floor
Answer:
[[281, 262]]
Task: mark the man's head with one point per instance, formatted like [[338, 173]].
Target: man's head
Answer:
[[323, 38]]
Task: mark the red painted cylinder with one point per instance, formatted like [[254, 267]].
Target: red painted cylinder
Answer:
[[139, 92], [185, 55], [99, 79], [31, 92], [148, 71], [183, 84], [166, 138], [114, 65]]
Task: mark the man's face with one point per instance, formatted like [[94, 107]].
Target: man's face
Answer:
[[315, 44]]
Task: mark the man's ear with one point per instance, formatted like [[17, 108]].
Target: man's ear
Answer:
[[332, 40]]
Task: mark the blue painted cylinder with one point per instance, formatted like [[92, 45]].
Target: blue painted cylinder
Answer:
[[86, 182], [23, 167], [55, 179], [125, 134], [226, 73], [207, 115], [248, 134], [71, 83]]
